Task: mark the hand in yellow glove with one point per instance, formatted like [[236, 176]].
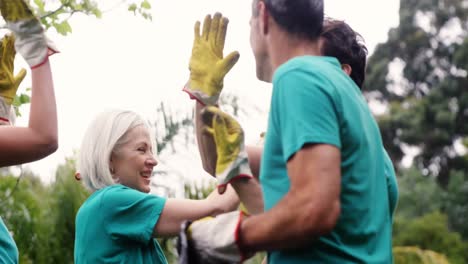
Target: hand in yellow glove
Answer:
[[8, 82], [207, 65], [31, 41], [232, 159]]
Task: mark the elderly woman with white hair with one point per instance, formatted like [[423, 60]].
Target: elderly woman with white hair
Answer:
[[119, 222]]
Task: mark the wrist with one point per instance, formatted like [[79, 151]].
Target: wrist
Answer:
[[244, 251], [196, 93], [239, 169]]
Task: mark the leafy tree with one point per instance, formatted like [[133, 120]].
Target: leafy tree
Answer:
[[455, 203], [65, 198], [414, 255], [431, 232], [20, 208], [428, 104], [418, 194]]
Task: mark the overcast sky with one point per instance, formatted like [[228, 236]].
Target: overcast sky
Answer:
[[123, 61]]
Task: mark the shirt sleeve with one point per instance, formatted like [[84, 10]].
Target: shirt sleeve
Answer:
[[305, 110], [130, 214]]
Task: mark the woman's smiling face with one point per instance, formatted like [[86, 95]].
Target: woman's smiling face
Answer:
[[132, 162]]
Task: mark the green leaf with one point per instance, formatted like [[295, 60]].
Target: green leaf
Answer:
[[40, 6], [145, 4], [132, 8], [63, 28], [97, 13], [147, 16], [24, 99], [16, 101]]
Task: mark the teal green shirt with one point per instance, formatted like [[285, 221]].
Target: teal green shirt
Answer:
[[115, 225], [392, 184], [313, 101], [8, 249]]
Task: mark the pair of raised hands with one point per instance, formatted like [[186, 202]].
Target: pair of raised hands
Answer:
[[208, 68], [215, 240], [28, 39]]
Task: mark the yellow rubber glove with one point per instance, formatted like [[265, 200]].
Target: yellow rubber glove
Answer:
[[207, 65], [8, 82], [232, 159], [31, 41]]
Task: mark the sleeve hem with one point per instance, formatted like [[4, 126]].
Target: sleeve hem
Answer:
[[153, 219], [293, 148]]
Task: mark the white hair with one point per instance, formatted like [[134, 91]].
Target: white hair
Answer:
[[104, 136]]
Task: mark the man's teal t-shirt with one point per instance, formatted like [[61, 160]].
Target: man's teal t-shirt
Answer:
[[313, 101], [115, 225], [392, 184], [8, 249]]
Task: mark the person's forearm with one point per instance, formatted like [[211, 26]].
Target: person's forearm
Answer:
[[206, 144], [176, 211], [255, 156], [250, 194], [43, 114], [249, 190], [293, 222]]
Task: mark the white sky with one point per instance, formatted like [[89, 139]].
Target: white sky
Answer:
[[123, 61]]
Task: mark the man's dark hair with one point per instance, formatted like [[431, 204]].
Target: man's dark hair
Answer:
[[300, 17], [342, 42]]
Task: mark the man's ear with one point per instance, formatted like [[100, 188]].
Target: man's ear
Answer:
[[347, 69], [264, 16]]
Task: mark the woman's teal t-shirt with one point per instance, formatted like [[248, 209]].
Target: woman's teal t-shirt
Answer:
[[8, 249], [115, 225]]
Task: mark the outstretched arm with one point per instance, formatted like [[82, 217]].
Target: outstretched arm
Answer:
[[176, 211]]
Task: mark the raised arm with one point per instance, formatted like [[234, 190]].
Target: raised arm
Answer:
[[39, 139], [208, 66], [232, 163], [207, 148], [205, 143]]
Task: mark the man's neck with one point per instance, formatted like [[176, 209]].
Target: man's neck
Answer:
[[285, 47]]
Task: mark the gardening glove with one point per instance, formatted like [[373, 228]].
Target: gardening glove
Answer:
[[207, 65], [31, 41], [8, 82], [5, 110], [213, 240], [232, 161]]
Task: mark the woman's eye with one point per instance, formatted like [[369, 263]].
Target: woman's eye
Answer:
[[142, 150]]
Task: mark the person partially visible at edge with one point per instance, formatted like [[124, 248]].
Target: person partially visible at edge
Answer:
[[120, 221], [38, 139], [339, 40], [323, 171]]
